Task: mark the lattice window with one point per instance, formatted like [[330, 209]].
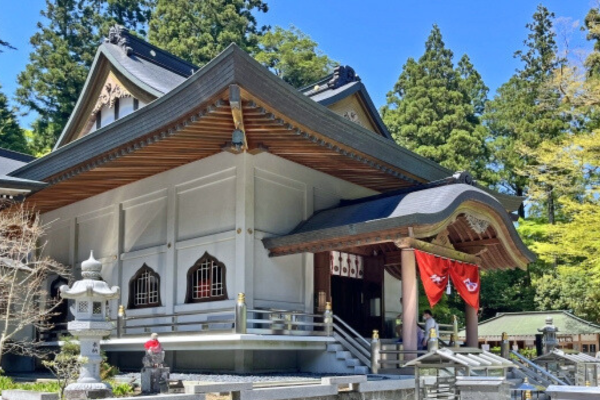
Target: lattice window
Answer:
[[144, 289], [206, 280]]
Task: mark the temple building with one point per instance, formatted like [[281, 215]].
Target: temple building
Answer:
[[206, 191], [522, 327]]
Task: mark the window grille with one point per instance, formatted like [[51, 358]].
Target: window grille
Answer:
[[144, 289], [206, 280]]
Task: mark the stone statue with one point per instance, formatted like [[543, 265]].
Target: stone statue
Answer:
[[549, 331], [155, 355]]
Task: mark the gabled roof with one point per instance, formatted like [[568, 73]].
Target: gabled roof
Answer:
[[151, 69], [527, 323], [327, 141], [463, 357], [234, 66], [343, 82], [410, 208]]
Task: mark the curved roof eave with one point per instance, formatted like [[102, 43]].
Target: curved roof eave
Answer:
[[452, 202]]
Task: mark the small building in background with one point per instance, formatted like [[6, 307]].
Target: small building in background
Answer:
[[522, 327]]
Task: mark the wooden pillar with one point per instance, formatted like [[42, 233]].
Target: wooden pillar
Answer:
[[472, 326], [410, 301]]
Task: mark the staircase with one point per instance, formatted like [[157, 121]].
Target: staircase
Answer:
[[535, 375], [354, 365], [350, 347]]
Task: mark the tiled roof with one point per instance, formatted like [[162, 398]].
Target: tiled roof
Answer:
[[526, 323], [11, 160]]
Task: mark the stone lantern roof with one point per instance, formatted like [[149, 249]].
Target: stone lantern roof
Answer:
[[91, 285]]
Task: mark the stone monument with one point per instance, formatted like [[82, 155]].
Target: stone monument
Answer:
[[155, 375], [549, 331], [90, 325]]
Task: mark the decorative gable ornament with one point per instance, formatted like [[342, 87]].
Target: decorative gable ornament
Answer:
[[111, 91], [351, 115], [119, 35], [341, 76], [478, 225]]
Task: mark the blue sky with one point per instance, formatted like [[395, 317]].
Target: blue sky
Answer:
[[374, 37]]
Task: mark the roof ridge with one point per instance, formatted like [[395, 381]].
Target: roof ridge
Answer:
[[134, 45]]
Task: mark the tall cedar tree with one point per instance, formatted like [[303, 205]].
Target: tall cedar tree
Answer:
[[524, 113], [11, 134], [64, 48], [571, 167], [198, 30], [293, 56], [431, 111]]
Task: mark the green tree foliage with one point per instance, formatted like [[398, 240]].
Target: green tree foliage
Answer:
[[293, 56], [11, 135], [63, 50], [133, 14], [524, 113], [571, 167], [5, 44], [431, 111], [198, 30], [505, 291]]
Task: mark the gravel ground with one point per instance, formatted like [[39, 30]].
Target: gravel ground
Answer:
[[135, 377]]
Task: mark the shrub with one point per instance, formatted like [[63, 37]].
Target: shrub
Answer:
[[121, 389]]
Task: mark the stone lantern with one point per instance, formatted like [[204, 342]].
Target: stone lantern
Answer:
[[90, 326], [549, 331]]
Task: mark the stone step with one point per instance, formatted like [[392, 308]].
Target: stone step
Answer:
[[361, 369], [334, 347], [343, 355], [353, 362]]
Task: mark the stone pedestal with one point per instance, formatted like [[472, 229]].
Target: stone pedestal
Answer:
[[91, 295], [155, 380], [483, 388]]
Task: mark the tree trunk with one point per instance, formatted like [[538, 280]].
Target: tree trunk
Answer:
[[521, 210], [550, 205]]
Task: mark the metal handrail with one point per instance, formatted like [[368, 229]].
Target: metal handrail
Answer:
[[352, 341], [179, 314], [537, 368], [356, 334]]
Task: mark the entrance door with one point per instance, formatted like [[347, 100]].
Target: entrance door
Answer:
[[357, 301]]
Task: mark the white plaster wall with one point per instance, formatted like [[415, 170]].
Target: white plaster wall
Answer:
[[224, 205], [285, 194], [392, 291], [166, 221]]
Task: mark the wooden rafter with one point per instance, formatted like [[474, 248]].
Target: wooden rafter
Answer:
[[237, 112]]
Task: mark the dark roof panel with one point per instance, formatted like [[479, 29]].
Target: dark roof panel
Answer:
[[11, 160], [154, 75]]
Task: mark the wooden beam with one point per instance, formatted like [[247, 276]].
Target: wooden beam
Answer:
[[409, 242], [476, 243], [235, 103]]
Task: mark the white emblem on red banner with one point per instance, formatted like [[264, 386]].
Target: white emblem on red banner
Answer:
[[438, 280], [471, 286]]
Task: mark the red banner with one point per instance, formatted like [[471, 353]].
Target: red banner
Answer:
[[434, 275], [465, 278]]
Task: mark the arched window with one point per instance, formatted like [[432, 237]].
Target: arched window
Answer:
[[144, 289], [206, 280]]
